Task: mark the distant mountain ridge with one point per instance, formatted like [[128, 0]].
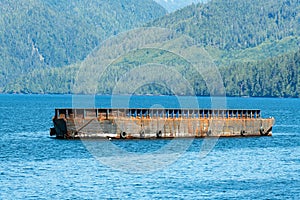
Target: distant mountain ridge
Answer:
[[255, 45], [236, 24], [173, 5], [55, 33]]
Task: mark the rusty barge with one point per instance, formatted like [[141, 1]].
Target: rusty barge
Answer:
[[145, 123]]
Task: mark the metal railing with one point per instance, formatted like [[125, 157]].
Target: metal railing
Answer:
[[107, 113]]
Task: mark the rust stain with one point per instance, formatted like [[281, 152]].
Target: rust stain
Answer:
[[159, 123]]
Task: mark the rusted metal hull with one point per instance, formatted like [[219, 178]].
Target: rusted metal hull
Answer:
[[123, 124]]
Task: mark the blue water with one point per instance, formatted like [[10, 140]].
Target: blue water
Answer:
[[35, 166]]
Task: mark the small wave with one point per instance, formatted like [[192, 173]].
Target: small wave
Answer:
[[25, 135], [288, 125], [286, 133]]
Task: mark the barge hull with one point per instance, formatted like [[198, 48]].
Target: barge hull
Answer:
[[159, 123]]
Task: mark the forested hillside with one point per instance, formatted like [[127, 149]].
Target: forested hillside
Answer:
[[273, 77], [173, 5], [39, 34], [236, 24], [255, 45]]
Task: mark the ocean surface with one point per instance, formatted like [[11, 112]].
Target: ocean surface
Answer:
[[35, 166]]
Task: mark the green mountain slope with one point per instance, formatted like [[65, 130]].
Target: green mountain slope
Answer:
[[173, 5], [236, 24], [55, 33], [272, 77], [253, 42], [255, 45]]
